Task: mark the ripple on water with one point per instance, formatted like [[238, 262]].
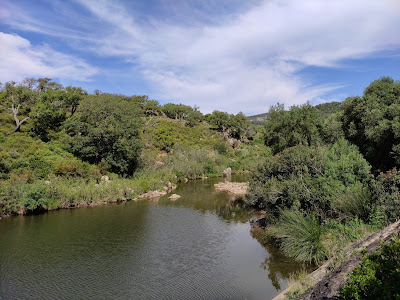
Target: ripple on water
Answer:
[[133, 251]]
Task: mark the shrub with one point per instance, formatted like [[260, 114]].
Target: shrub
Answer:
[[307, 178], [34, 196], [378, 276], [221, 147]]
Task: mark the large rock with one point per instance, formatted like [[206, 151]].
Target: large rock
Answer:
[[174, 197], [227, 172], [233, 188], [158, 164]]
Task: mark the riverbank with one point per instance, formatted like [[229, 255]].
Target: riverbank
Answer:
[[49, 195], [327, 282]]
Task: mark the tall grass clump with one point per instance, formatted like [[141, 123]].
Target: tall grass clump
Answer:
[[300, 236]]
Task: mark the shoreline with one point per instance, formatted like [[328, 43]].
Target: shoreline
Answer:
[[149, 195]]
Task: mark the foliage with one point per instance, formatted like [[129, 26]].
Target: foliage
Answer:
[[234, 125], [378, 275], [106, 127], [307, 178], [298, 126], [300, 236], [385, 192], [372, 122]]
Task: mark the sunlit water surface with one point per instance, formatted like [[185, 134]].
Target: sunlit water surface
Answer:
[[198, 247]]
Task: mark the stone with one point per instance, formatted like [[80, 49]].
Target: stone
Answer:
[[174, 197], [227, 172], [158, 164]]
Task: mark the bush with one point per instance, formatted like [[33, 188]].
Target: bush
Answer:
[[386, 197], [221, 147], [378, 276], [307, 178], [34, 196]]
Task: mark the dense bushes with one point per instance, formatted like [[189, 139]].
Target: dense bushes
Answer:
[[307, 178], [378, 275]]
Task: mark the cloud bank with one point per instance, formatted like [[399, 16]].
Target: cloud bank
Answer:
[[246, 59]]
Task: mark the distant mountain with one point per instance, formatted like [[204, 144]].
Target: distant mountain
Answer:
[[258, 119], [325, 110]]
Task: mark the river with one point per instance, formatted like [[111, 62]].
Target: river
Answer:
[[198, 247]]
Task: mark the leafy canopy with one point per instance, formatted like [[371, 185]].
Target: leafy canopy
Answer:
[[106, 128]]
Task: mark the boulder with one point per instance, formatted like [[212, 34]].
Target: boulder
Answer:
[[158, 164], [174, 197], [227, 172]]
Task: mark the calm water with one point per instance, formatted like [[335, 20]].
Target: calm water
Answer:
[[198, 247]]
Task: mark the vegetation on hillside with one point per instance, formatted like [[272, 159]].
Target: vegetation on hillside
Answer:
[[57, 144]]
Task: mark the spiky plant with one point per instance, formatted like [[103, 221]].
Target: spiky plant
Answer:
[[300, 236]]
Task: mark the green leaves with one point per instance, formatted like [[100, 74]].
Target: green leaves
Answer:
[[372, 122], [106, 127], [298, 126], [378, 275]]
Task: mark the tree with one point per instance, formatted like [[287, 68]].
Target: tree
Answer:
[[372, 122], [105, 128], [298, 126], [73, 96], [49, 113], [14, 96]]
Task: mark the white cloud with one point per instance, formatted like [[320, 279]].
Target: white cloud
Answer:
[[22, 59], [248, 61]]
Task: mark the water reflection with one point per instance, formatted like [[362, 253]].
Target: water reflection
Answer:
[[199, 246]]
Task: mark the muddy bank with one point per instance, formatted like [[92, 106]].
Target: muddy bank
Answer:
[[328, 283]]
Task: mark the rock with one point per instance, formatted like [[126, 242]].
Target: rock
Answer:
[[105, 178], [230, 143], [162, 154], [233, 188], [185, 180], [174, 197], [152, 195], [47, 182], [227, 172], [169, 184], [158, 164]]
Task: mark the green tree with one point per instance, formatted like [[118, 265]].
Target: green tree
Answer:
[[372, 122], [49, 113], [300, 125], [73, 97], [106, 128], [14, 97]]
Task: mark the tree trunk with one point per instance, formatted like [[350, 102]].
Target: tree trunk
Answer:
[[18, 123]]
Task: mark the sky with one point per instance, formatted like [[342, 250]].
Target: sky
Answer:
[[228, 55]]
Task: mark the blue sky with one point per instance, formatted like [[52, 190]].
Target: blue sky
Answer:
[[230, 55]]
